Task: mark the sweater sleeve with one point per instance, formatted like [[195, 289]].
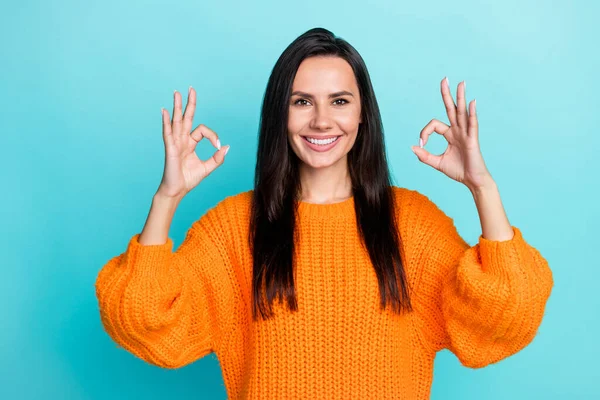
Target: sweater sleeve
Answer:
[[168, 308], [483, 302]]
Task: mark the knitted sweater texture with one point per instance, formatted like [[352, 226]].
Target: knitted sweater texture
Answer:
[[483, 302]]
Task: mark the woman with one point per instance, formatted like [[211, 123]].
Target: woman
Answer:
[[324, 281]]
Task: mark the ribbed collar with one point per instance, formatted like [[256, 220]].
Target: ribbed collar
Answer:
[[343, 209]]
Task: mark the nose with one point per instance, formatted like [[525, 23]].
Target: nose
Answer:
[[321, 119]]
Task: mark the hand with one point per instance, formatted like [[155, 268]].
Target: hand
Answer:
[[183, 169], [462, 160]]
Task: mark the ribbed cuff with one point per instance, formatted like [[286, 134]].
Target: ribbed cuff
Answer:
[[149, 257], [500, 257]]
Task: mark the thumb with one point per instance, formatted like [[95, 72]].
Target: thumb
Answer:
[[426, 157], [216, 159]]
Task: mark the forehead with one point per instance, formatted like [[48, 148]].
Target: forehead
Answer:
[[324, 75]]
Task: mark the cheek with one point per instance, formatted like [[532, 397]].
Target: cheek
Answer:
[[295, 124], [349, 118], [349, 124]]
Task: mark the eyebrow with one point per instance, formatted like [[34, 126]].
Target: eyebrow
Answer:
[[332, 95]]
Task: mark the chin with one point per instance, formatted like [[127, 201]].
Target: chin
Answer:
[[316, 164]]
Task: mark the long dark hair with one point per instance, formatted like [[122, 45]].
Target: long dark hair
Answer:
[[277, 184]]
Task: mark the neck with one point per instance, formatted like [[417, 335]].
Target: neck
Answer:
[[325, 185]]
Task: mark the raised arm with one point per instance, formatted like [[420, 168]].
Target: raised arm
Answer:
[[170, 308]]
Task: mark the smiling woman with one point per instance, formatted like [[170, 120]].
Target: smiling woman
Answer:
[[325, 280]]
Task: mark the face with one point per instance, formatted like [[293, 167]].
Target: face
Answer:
[[324, 109]]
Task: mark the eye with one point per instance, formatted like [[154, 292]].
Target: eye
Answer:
[[344, 101]]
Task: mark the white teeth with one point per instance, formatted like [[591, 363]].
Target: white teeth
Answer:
[[322, 142]]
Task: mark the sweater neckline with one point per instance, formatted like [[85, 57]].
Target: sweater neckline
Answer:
[[340, 208]]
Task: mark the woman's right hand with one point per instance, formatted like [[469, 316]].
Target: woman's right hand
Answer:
[[183, 169]]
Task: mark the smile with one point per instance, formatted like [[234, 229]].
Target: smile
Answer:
[[321, 141], [320, 145]]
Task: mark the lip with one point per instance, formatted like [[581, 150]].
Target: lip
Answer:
[[320, 148], [320, 137]]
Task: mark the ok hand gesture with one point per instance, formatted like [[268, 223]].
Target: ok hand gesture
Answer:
[[462, 160], [183, 169]]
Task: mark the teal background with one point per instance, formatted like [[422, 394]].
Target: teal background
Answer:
[[81, 87]]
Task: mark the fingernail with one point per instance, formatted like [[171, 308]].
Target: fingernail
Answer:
[[465, 83], [226, 150], [420, 143], [218, 144], [190, 90], [447, 82], [475, 105]]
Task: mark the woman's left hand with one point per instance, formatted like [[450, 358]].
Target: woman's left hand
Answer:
[[462, 160]]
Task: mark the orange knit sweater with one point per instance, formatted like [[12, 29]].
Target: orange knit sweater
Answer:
[[483, 303]]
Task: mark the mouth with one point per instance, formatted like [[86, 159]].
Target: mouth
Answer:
[[321, 144]]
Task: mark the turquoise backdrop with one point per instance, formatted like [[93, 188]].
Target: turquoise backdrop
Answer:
[[81, 86]]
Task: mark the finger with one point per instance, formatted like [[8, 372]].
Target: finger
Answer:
[[461, 108], [426, 157], [190, 108], [448, 102], [203, 131], [473, 129], [166, 126], [215, 160], [176, 126], [436, 126]]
